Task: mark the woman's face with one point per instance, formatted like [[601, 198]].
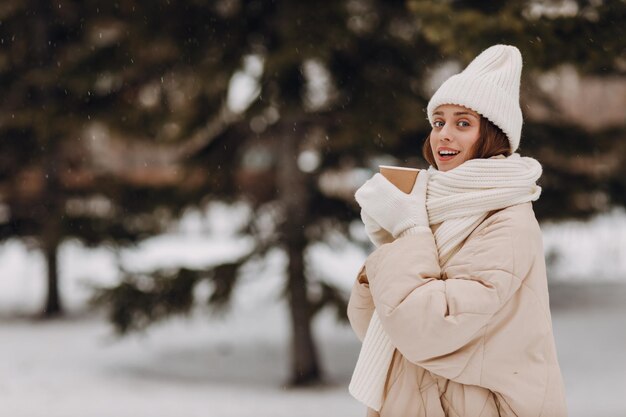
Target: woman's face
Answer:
[[455, 131]]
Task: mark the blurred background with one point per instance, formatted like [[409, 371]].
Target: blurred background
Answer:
[[178, 235]]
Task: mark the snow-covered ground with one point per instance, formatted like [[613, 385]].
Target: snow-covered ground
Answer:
[[236, 365], [592, 251], [182, 368]]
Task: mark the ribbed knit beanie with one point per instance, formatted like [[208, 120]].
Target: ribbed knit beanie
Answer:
[[490, 86]]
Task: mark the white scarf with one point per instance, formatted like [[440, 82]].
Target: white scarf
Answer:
[[459, 199]]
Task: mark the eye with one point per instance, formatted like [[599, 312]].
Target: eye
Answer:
[[438, 123], [463, 123]]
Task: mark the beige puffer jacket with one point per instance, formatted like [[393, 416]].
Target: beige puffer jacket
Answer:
[[474, 339]]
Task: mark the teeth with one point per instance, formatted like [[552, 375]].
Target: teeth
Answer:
[[448, 152]]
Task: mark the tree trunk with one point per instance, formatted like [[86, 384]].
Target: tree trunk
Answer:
[[51, 233], [53, 301], [292, 188]]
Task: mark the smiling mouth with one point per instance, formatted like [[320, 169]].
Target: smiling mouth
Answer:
[[447, 155]]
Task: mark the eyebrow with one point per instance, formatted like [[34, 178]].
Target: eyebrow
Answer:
[[458, 113]]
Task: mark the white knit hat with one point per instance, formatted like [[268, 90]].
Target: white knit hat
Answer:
[[489, 86]]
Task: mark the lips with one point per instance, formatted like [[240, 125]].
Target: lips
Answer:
[[446, 154]]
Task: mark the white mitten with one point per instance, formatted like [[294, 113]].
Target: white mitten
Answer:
[[395, 211], [378, 236]]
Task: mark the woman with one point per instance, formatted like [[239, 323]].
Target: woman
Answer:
[[452, 307]]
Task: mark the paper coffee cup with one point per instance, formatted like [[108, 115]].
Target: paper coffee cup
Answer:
[[403, 178]]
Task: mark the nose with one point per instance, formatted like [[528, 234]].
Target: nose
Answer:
[[445, 133]]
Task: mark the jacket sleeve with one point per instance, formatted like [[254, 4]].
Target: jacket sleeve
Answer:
[[438, 322], [361, 305]]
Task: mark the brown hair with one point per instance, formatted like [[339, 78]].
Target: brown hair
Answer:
[[491, 141]]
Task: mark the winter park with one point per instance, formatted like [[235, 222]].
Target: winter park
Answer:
[[291, 209]]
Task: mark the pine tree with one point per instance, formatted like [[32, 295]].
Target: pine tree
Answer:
[[86, 147], [365, 105]]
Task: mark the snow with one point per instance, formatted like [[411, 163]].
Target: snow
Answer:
[[592, 251], [590, 335], [236, 363], [190, 367]]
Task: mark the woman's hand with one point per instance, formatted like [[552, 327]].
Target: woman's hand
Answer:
[[395, 211], [377, 235]]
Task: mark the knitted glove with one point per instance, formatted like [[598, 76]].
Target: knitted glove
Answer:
[[378, 236], [395, 211]]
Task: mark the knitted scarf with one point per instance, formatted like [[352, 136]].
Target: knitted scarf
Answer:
[[459, 199]]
